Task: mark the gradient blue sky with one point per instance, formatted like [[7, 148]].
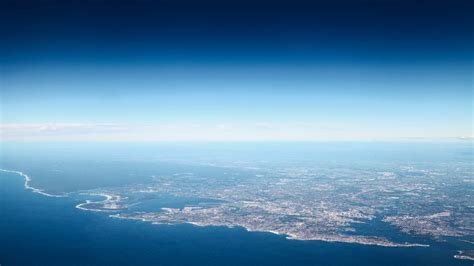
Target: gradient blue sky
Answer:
[[162, 70]]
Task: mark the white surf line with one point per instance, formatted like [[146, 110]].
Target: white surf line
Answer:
[[467, 241], [27, 184], [112, 199], [108, 198]]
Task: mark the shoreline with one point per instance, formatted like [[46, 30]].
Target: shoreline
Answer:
[[109, 199], [27, 186], [328, 239]]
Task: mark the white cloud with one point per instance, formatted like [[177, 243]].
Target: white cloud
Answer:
[[468, 138], [56, 128]]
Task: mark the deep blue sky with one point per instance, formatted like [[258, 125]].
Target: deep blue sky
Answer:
[[283, 69]]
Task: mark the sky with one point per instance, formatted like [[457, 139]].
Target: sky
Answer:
[[180, 70]]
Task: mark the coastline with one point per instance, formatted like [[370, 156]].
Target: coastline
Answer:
[[362, 240], [110, 201], [26, 185]]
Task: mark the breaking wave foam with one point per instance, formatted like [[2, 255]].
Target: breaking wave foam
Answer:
[[29, 187]]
